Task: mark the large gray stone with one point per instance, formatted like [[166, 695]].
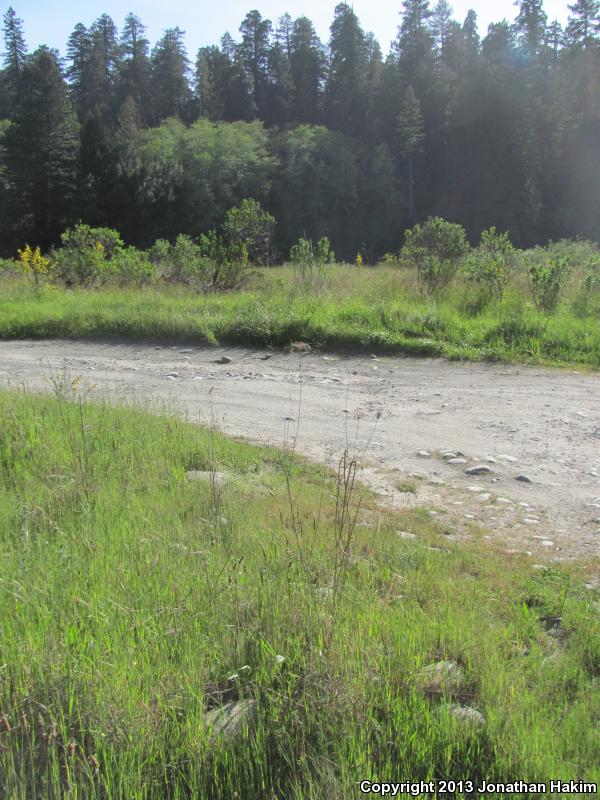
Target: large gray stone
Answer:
[[478, 469], [443, 676], [232, 719], [468, 715]]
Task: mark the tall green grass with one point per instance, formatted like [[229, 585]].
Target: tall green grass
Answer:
[[133, 601], [361, 309]]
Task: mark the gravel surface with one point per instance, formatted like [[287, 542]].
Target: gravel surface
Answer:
[[419, 425]]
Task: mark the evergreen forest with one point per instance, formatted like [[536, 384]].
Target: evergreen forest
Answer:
[[338, 139]]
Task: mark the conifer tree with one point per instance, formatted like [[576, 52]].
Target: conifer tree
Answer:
[[42, 150], [584, 23], [411, 138], [345, 93], [439, 25], [530, 26], [15, 53], [169, 78], [254, 52], [307, 64], [134, 67]]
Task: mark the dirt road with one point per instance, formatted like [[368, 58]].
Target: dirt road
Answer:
[[517, 421]]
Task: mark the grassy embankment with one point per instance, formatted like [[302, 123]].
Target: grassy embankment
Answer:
[[378, 309], [132, 601]]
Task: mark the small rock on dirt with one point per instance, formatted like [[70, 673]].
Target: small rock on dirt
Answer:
[[423, 453], [300, 347], [223, 360], [478, 469], [457, 460], [523, 478]]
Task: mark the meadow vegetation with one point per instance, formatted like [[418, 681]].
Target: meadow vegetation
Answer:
[[135, 602], [437, 296]]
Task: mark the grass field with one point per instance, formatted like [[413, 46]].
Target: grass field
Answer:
[[374, 309], [133, 602]]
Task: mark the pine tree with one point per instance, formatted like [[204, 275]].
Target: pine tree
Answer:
[[584, 23], [100, 171], [42, 150], [346, 89], [79, 46], [307, 64], [92, 74], [471, 36], [279, 90], [134, 67], [439, 25], [283, 34], [169, 82], [530, 26], [254, 52], [15, 53], [411, 138], [414, 44], [553, 39], [213, 70]]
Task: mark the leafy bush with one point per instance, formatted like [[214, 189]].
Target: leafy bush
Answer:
[[311, 261], [8, 265], [87, 255], [210, 263], [547, 276], [181, 262], [251, 226], [132, 266], [490, 264], [391, 259], [587, 298], [229, 260], [437, 248], [579, 252]]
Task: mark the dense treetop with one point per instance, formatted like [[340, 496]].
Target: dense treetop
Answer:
[[335, 139]]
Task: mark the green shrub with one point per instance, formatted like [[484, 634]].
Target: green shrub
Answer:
[[133, 266], [547, 275], [229, 264], [587, 298], [87, 255], [211, 263], [311, 261], [251, 226], [181, 262], [8, 265], [437, 248], [490, 264]]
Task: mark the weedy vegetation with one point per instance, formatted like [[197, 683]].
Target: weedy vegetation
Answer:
[[437, 296], [136, 605]]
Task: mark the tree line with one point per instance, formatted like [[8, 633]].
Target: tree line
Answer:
[[336, 139]]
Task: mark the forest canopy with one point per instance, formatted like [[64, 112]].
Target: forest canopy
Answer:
[[335, 139]]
